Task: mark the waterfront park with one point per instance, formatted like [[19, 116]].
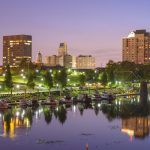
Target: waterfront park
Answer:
[[121, 78], [87, 118]]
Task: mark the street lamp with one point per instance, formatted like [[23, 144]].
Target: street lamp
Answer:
[[17, 86], [75, 73], [37, 71]]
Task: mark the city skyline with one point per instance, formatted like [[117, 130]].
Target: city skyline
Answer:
[[88, 27]]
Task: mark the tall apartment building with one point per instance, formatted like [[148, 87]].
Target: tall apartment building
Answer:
[[62, 49], [136, 47], [52, 60], [15, 48], [85, 62]]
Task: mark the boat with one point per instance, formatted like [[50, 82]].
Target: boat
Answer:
[[66, 100], [23, 103], [96, 97], [4, 104], [82, 98], [49, 101], [107, 96], [33, 102]]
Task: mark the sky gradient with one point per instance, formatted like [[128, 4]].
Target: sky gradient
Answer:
[[93, 27]]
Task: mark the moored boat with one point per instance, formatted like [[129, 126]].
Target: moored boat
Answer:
[[107, 96], [49, 101], [23, 103], [66, 100], [4, 104], [82, 98]]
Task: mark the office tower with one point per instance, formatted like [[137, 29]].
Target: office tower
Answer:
[[85, 62], [64, 61], [136, 47], [62, 49], [39, 58], [74, 62], [52, 60], [15, 48], [67, 60]]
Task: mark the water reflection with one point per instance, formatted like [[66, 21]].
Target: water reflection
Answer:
[[134, 117], [136, 126], [14, 119]]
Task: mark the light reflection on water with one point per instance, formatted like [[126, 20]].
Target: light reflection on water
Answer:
[[71, 127]]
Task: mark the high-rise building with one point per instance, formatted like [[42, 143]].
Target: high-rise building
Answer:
[[68, 61], [52, 60], [62, 49], [85, 62], [74, 62], [39, 58], [64, 61], [136, 47], [15, 48]]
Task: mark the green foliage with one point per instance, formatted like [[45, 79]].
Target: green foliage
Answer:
[[48, 79], [8, 78], [89, 74], [104, 79], [82, 79], [26, 64], [61, 77], [30, 82], [111, 76]]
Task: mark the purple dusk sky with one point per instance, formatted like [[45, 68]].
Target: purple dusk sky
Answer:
[[93, 27]]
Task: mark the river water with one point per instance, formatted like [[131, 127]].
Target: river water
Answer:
[[72, 127]]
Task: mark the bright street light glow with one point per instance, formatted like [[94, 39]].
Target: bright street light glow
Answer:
[[37, 71], [18, 86]]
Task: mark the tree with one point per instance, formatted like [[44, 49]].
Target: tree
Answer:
[[61, 77], [48, 80], [8, 79], [82, 79], [30, 83], [111, 77], [104, 79], [90, 75]]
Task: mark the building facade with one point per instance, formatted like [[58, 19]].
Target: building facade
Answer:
[[63, 59], [85, 62], [62, 49], [136, 47], [15, 48], [52, 60], [39, 58]]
